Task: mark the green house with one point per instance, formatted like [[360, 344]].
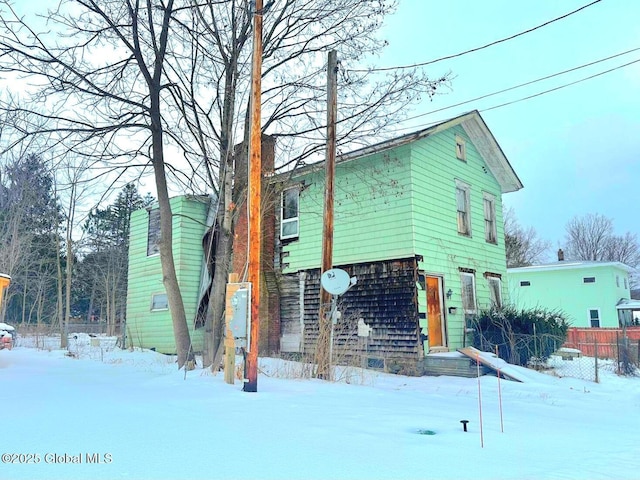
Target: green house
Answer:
[[418, 222], [591, 294], [148, 323]]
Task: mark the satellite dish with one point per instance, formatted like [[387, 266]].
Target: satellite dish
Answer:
[[335, 281]]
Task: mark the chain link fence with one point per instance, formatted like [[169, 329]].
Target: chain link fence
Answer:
[[587, 353]]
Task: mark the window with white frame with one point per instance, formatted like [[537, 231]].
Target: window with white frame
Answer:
[[495, 290], [153, 232], [289, 213], [490, 229], [468, 282], [461, 150], [594, 317], [463, 205], [159, 301]]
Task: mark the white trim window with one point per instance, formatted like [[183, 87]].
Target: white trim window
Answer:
[[495, 290], [490, 229], [289, 213], [159, 301], [463, 205], [468, 283], [594, 317]]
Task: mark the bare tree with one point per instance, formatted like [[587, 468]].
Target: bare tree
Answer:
[[103, 84], [125, 80], [523, 247], [592, 238], [297, 37], [588, 237]]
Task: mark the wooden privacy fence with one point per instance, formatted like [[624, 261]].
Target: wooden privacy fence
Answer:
[[585, 340]]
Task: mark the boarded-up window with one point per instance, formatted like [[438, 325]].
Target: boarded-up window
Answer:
[[289, 213], [153, 233], [159, 301], [490, 230], [468, 292], [463, 207], [495, 291], [461, 151]]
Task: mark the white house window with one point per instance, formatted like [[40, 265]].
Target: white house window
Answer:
[[495, 290], [589, 279], [289, 212], [490, 230], [461, 151], [463, 206], [153, 232], [159, 301], [468, 292], [594, 318]]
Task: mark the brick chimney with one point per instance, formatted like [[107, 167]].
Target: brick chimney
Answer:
[[560, 255]]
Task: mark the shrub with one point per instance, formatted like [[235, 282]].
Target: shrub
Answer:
[[522, 337]]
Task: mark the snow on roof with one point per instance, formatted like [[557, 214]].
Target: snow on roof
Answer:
[[628, 305], [578, 264]]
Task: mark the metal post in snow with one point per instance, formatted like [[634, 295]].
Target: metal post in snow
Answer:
[[595, 354], [500, 401]]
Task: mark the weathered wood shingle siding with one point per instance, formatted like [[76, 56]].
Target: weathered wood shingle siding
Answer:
[[154, 329], [384, 297], [372, 213]]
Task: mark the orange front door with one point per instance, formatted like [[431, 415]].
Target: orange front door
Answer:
[[5, 280], [434, 309]]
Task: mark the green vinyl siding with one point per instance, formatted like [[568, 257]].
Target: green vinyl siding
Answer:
[[434, 170], [154, 329], [562, 287], [372, 213]]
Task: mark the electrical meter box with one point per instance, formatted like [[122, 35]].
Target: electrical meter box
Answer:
[[238, 312], [240, 306]]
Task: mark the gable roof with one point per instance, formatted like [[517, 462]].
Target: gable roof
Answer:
[[569, 265], [478, 133]]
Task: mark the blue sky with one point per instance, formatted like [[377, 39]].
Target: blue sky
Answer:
[[576, 149]]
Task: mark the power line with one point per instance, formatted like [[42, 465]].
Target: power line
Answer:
[[525, 84], [561, 86], [422, 64], [513, 101]]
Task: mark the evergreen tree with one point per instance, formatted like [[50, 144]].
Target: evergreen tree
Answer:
[[29, 216], [101, 280]]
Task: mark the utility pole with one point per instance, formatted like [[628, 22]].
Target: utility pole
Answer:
[[254, 198], [323, 347]]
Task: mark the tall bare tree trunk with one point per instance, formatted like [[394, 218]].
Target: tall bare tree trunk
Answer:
[[214, 324], [165, 244]]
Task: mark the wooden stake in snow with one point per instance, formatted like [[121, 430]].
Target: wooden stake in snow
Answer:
[[480, 402], [500, 402]]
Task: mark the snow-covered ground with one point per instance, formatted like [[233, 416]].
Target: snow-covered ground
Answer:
[[133, 415]]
